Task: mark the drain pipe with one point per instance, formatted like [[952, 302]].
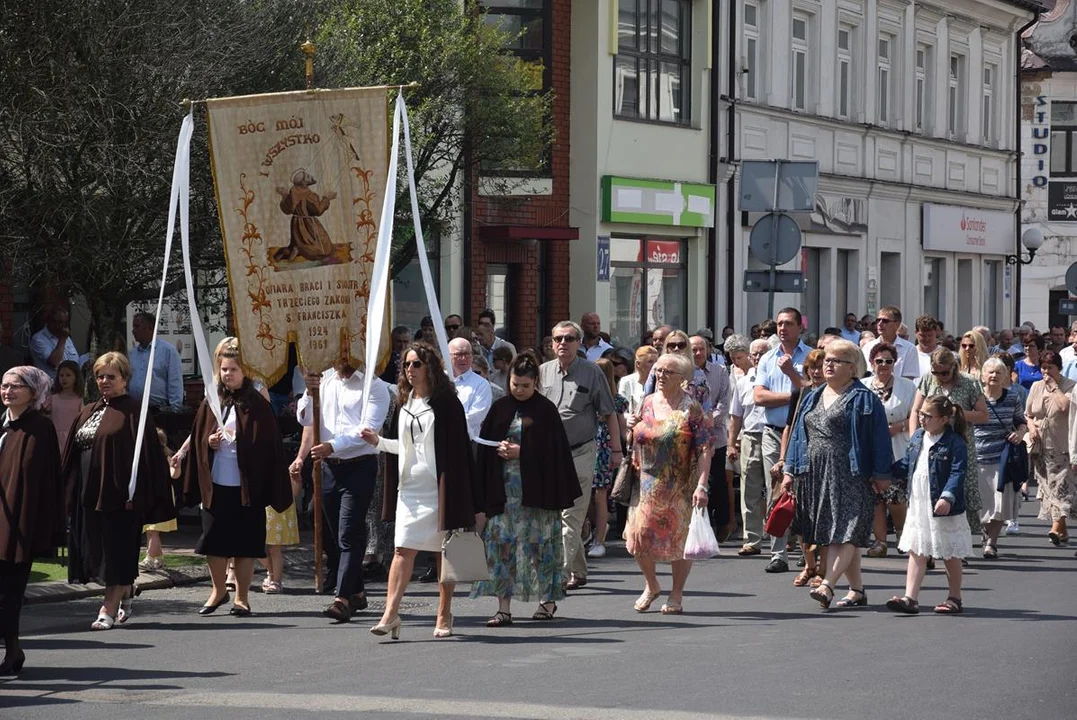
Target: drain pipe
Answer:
[[731, 153], [1018, 42]]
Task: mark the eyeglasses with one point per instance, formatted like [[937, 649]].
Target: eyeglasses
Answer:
[[661, 372], [835, 361], [464, 353], [13, 386], [415, 364], [924, 416], [452, 328], [884, 361], [967, 347], [565, 339], [676, 346], [946, 371], [883, 321]]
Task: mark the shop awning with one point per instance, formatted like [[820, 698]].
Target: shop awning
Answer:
[[528, 232]]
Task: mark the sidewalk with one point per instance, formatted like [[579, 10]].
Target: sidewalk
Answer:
[[181, 542]]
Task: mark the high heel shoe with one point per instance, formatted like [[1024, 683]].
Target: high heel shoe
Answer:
[[441, 633], [210, 609], [13, 665], [390, 628]]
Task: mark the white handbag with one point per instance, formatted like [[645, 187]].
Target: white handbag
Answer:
[[463, 557]]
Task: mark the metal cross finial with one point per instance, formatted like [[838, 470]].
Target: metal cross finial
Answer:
[[309, 50]]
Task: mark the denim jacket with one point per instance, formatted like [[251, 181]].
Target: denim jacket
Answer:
[[871, 454], [947, 461]]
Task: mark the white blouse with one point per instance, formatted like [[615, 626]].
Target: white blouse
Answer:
[[898, 408]]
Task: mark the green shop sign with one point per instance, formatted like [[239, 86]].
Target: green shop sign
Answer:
[[657, 202]]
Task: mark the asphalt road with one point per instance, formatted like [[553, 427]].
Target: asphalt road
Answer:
[[748, 646]]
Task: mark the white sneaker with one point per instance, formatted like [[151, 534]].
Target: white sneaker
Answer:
[[1013, 528], [597, 551]]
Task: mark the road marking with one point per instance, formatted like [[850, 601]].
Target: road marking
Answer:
[[362, 703]]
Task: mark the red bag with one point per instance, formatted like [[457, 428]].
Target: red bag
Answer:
[[781, 515]]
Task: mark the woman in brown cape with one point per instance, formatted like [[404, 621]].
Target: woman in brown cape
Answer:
[[31, 504], [106, 521], [234, 472]]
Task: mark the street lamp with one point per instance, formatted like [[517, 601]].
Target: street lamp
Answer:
[[1032, 239]]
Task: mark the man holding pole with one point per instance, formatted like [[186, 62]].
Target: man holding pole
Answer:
[[349, 473]]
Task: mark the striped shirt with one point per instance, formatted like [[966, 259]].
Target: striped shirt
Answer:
[[1003, 416]]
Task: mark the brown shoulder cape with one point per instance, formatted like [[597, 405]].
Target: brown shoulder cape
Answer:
[[31, 499], [263, 469], [112, 455], [458, 484], [549, 475]]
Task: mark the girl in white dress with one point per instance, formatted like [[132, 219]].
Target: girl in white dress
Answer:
[[935, 525]]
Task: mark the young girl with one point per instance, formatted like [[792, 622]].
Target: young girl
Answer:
[[66, 400], [935, 524], [604, 473], [154, 553]]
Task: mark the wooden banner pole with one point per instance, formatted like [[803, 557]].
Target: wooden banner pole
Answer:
[[315, 397]]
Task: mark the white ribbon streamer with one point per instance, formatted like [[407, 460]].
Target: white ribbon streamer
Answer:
[[179, 197]]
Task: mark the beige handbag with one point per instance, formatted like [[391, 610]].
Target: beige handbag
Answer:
[[463, 557]]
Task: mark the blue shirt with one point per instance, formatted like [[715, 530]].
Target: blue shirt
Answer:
[[1070, 370], [166, 388], [41, 346], [769, 376], [1027, 374], [852, 336]]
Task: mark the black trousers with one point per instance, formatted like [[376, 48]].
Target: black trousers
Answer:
[[346, 492], [13, 579], [718, 506]]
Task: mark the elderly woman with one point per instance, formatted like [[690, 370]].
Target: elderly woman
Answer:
[[671, 448], [631, 386], [966, 393], [107, 509], [234, 471], [736, 349], [433, 487], [897, 395], [1028, 368], [840, 455], [677, 343], [1005, 424], [528, 479], [30, 492], [972, 354], [1049, 413]]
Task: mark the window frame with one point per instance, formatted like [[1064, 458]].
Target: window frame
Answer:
[[845, 57], [752, 67], [956, 112], [1069, 133], [884, 79], [645, 264], [921, 87], [988, 119], [800, 49], [648, 10]]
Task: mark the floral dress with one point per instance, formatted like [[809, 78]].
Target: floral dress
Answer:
[[965, 393], [524, 550], [667, 454], [603, 472], [1056, 488], [282, 528]]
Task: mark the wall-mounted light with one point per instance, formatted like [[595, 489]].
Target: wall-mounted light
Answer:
[[1032, 239]]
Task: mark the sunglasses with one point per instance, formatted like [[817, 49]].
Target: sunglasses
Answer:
[[968, 347], [564, 338], [883, 321], [947, 371], [416, 364], [884, 361], [676, 345], [452, 328]]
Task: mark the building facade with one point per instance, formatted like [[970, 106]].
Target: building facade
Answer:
[[1049, 160]]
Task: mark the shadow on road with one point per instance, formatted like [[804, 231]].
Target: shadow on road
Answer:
[[49, 680], [52, 643]]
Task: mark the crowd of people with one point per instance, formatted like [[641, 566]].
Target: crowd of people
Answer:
[[870, 430]]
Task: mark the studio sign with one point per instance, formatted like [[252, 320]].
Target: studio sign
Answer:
[[1040, 132]]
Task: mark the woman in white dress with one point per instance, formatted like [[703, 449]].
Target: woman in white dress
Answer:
[[432, 488], [897, 395]]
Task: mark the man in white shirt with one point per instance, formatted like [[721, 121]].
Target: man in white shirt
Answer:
[[472, 389], [850, 331], [927, 341], [349, 473], [593, 344], [166, 383], [51, 345], [1069, 352], [887, 323], [746, 425]]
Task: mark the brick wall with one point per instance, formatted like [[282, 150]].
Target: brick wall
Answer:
[[536, 210]]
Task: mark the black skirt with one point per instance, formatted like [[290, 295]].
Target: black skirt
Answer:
[[231, 530], [103, 545]]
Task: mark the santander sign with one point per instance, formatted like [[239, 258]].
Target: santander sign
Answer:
[[952, 228]]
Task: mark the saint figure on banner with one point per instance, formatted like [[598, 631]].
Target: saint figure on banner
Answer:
[[308, 238]]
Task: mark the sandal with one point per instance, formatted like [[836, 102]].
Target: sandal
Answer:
[[824, 594], [671, 608], [903, 604], [644, 603], [990, 552], [104, 621], [500, 619], [545, 611], [804, 577], [340, 611], [127, 609], [878, 550], [861, 601], [748, 551], [272, 588], [952, 606], [816, 581]]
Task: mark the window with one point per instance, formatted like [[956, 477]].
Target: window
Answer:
[[648, 286], [885, 79], [933, 286], [751, 51], [992, 287], [800, 62], [845, 71], [923, 88], [990, 73], [956, 114], [1063, 144], [652, 70]]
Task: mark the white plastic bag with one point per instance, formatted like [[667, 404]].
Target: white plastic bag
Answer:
[[701, 543]]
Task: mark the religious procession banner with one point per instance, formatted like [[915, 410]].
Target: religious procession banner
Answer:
[[300, 182]]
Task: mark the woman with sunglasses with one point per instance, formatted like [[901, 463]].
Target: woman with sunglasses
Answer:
[[1047, 412], [432, 487], [972, 354], [897, 395], [965, 392], [677, 343]]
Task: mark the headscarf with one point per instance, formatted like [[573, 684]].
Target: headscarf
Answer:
[[37, 380]]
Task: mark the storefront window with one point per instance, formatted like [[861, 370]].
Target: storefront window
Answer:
[[992, 292], [648, 287], [933, 286]]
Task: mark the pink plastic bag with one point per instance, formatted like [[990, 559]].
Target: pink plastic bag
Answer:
[[701, 543]]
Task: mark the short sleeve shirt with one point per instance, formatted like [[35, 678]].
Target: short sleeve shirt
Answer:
[[581, 394], [768, 375]]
